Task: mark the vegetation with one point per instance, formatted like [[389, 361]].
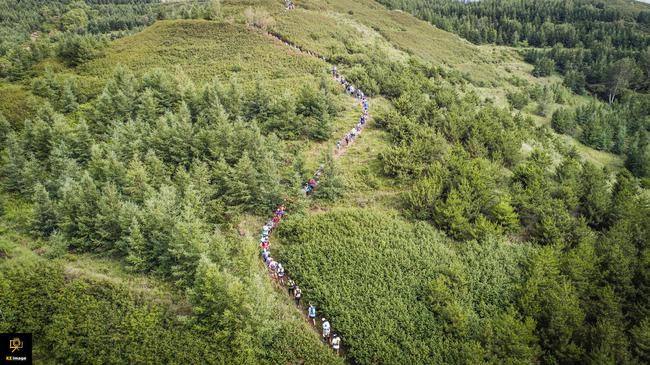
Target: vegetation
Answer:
[[599, 47], [139, 159]]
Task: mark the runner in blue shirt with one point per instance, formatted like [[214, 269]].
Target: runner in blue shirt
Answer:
[[312, 313]]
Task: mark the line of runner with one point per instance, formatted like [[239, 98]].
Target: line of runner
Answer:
[[275, 269]]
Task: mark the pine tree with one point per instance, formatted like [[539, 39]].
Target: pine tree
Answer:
[[234, 99], [82, 142], [137, 182], [188, 243], [37, 138], [148, 109], [13, 161], [330, 186], [109, 224], [549, 298], [641, 340], [594, 196], [258, 104], [137, 257], [242, 184], [5, 129], [117, 100], [78, 209], [44, 218], [211, 108], [157, 224], [68, 100]]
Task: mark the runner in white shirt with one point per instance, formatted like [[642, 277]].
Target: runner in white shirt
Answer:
[[326, 330], [336, 343]]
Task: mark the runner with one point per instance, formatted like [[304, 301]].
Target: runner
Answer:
[[266, 254], [312, 313], [273, 267], [336, 343], [280, 273], [326, 330], [297, 295]]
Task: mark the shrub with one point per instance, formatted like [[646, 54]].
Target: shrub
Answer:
[[258, 17]]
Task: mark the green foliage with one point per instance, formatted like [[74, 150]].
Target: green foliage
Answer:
[[314, 107], [45, 216], [353, 264], [563, 121], [518, 99], [594, 44], [330, 186], [77, 49], [544, 67], [61, 307], [549, 298]]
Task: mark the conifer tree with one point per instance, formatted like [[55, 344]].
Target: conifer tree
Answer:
[[44, 219], [242, 185], [331, 184], [68, 99], [137, 257]]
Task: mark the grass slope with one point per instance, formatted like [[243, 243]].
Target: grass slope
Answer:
[[204, 50]]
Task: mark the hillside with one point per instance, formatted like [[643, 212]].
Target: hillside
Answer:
[[205, 50], [438, 200]]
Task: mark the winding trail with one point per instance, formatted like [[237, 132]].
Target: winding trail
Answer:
[[341, 147]]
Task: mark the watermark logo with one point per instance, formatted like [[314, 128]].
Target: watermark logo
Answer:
[[15, 348]]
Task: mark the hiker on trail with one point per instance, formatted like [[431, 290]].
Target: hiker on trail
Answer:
[[269, 259], [276, 219], [297, 295], [273, 267], [280, 273], [264, 245], [312, 183], [336, 343], [326, 330], [312, 313], [334, 71], [291, 286], [338, 144], [265, 254]]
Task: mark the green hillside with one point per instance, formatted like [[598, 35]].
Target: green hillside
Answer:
[[204, 50], [382, 282], [492, 209]]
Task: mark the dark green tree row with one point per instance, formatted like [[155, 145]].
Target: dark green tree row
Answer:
[[538, 23], [621, 128], [598, 46]]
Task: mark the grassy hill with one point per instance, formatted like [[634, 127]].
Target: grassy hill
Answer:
[[205, 50], [155, 190]]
